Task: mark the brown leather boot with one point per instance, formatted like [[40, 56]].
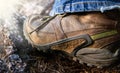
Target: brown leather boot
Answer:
[[91, 36]]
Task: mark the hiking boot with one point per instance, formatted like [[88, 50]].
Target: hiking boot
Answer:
[[91, 37]]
